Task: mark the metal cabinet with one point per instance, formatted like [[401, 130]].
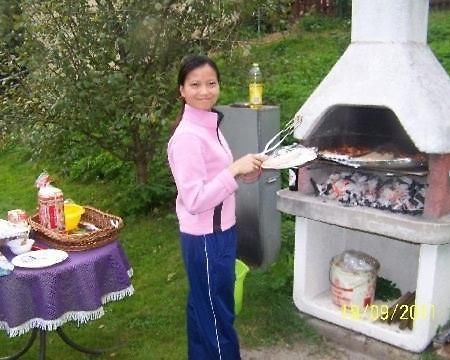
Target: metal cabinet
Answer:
[[258, 221]]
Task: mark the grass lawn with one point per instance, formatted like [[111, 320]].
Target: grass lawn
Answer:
[[150, 324]]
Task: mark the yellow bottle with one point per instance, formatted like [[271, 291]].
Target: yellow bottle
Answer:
[[255, 86]]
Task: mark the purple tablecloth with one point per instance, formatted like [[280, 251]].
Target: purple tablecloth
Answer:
[[73, 290]]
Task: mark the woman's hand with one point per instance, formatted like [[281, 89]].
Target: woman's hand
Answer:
[[248, 164]]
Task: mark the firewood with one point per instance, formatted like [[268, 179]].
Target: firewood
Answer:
[[405, 318], [394, 312]]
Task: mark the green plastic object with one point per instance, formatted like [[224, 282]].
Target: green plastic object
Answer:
[[241, 270]]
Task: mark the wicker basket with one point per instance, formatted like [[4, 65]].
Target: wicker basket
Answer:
[[109, 227]]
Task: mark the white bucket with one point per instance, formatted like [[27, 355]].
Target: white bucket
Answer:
[[353, 288]]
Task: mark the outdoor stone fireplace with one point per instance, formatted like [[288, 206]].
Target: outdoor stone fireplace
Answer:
[[386, 91]]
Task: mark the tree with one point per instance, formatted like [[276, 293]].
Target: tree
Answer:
[[102, 72], [11, 70], [11, 38]]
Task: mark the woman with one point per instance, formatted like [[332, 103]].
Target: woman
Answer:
[[205, 175]]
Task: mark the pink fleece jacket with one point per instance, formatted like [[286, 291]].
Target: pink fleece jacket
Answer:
[[199, 164]]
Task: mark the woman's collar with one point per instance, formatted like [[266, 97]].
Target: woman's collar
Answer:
[[200, 117]]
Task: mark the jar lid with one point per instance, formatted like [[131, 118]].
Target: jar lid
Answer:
[[49, 190]]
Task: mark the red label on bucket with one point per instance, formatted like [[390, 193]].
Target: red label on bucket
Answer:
[[349, 288]]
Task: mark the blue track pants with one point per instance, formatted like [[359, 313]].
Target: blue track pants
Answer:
[[210, 266]]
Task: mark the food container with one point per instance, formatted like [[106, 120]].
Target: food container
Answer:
[[20, 246], [18, 216], [10, 231], [353, 277], [50, 203]]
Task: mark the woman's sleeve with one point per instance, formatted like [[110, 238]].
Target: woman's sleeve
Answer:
[[189, 171]]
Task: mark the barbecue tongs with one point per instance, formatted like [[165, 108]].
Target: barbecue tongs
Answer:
[[287, 156]]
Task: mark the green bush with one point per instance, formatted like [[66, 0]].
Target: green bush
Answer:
[[100, 166], [260, 17]]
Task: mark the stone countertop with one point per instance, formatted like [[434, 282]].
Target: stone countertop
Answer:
[[414, 229]]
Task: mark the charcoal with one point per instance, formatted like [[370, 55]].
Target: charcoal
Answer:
[[420, 197], [406, 180], [396, 194]]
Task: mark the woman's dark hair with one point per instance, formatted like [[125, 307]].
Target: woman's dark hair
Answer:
[[193, 62], [189, 63]]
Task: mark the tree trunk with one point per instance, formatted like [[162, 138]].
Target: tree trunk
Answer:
[[142, 174], [141, 156]]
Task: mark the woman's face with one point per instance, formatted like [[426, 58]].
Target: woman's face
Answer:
[[201, 88]]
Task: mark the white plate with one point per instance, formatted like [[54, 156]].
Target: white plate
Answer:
[[289, 156], [39, 258]]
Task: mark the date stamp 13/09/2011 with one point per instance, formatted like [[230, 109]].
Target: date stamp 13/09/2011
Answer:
[[383, 312]]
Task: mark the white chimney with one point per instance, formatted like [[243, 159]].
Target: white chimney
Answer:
[[396, 21]]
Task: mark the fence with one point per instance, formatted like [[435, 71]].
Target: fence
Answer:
[[342, 7], [328, 7], [440, 4]]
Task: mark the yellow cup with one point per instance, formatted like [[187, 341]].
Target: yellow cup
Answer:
[[72, 216]]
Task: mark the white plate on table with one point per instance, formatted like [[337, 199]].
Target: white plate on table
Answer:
[[39, 258]]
